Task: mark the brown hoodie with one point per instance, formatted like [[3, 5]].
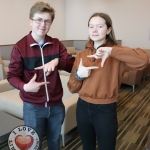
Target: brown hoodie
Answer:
[[102, 86]]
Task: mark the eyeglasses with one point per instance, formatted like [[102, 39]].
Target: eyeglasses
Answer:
[[39, 21]]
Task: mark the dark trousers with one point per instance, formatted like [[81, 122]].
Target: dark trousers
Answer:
[[97, 122]]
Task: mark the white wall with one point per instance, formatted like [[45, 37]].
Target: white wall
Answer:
[[14, 16], [131, 19]]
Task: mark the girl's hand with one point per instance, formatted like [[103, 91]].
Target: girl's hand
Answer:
[[103, 53], [84, 72]]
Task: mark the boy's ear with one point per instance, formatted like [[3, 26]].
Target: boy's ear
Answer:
[[30, 22]]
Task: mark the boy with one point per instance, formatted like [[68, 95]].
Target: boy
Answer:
[[33, 69]]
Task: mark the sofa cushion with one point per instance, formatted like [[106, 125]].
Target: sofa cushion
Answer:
[[11, 103], [62, 72], [6, 69], [6, 62], [5, 86], [71, 50]]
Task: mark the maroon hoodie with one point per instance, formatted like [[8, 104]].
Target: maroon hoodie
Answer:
[[27, 55]]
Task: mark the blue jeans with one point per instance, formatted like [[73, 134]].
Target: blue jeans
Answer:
[[97, 122], [47, 120]]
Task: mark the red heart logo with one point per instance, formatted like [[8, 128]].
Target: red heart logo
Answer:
[[24, 143]]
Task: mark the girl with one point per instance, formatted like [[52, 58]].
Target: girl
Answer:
[[98, 85]]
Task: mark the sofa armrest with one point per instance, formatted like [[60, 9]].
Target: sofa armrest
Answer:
[[135, 76], [70, 111], [5, 86]]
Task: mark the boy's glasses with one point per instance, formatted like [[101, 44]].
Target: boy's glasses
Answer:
[[39, 21]]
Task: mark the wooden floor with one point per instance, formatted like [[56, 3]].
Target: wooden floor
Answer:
[[133, 117]]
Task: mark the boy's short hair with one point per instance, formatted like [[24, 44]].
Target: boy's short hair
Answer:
[[41, 7]]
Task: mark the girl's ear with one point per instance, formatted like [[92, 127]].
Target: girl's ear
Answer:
[[109, 30]]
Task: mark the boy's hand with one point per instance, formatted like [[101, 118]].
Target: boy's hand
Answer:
[[84, 72], [33, 86], [103, 53], [48, 67]]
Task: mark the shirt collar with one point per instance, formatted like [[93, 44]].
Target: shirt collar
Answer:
[[32, 42]]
